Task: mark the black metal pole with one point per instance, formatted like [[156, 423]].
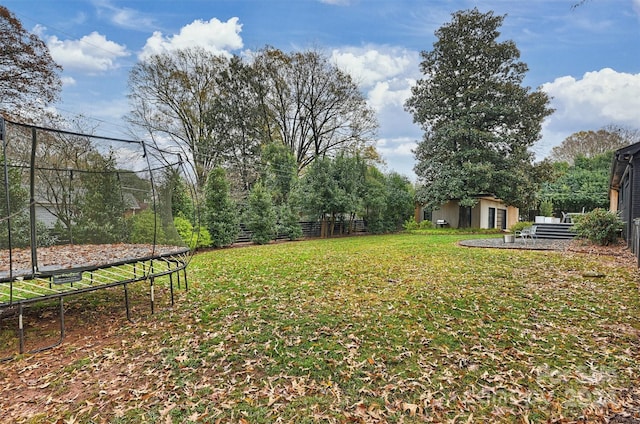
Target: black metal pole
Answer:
[[171, 286], [32, 201], [126, 301], [3, 135]]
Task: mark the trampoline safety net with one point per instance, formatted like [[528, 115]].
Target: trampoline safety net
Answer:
[[81, 212]]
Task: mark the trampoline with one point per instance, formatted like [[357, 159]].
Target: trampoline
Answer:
[[80, 213]]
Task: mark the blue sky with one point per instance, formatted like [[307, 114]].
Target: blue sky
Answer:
[[587, 58]]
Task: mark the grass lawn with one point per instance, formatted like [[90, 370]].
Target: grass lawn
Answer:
[[398, 328]]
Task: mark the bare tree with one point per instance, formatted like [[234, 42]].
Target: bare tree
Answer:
[[592, 143], [28, 75], [171, 95], [315, 108], [61, 158], [236, 117]]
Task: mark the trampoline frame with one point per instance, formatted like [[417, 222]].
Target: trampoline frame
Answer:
[[22, 289]]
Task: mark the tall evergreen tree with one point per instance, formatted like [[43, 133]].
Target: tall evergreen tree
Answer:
[[102, 207], [261, 218], [221, 214], [479, 120]]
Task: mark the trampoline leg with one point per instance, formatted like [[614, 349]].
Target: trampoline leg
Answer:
[[61, 321], [171, 287], [126, 302], [186, 284], [21, 328], [152, 297], [59, 342]]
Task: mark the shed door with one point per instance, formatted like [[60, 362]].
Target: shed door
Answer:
[[501, 221]]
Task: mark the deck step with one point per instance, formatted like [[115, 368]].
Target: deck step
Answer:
[[554, 231]]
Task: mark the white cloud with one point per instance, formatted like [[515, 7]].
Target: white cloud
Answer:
[[125, 17], [398, 154], [93, 52], [371, 65], [386, 75], [213, 35], [600, 98], [390, 93]]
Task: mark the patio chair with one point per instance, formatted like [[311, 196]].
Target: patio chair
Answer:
[[527, 233]]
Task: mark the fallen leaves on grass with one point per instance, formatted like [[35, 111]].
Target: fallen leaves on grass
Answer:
[[370, 329]]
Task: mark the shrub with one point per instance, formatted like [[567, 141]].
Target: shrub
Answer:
[[144, 226], [289, 222], [426, 224], [410, 224], [599, 226], [546, 208], [194, 239]]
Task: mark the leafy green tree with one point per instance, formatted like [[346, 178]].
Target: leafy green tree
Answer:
[[280, 176], [479, 121], [280, 171], [388, 201], [221, 213], [289, 219], [583, 185], [175, 195], [350, 173], [28, 73], [260, 217], [399, 201], [375, 200], [334, 190], [322, 194], [146, 228]]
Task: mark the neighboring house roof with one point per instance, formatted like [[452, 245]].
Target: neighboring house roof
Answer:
[[130, 201], [622, 158]]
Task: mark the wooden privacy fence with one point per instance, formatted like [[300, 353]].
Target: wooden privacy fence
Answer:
[[312, 229]]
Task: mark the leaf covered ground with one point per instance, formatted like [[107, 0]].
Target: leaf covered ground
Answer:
[[399, 328]]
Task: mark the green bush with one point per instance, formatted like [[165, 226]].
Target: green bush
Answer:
[[599, 226], [546, 208], [194, 239], [143, 227], [289, 223], [411, 224], [426, 224]]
